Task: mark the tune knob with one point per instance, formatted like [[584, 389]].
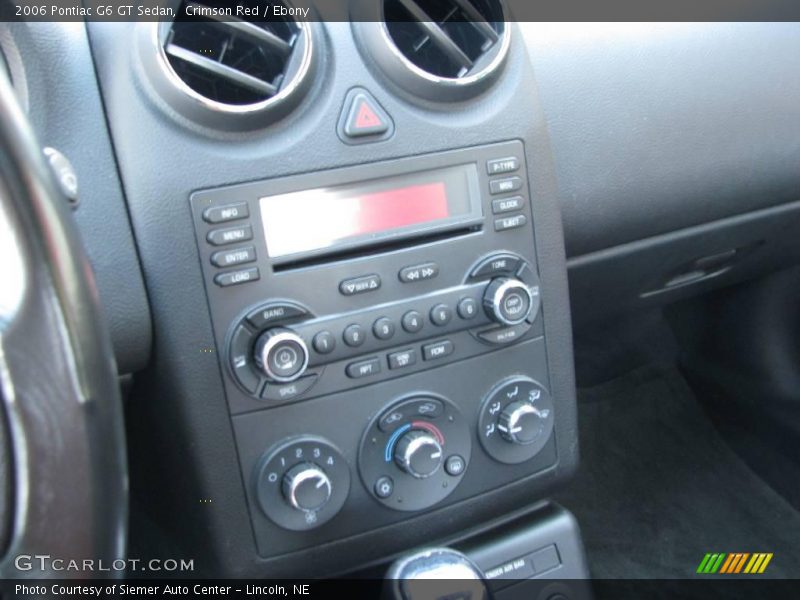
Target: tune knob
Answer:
[[418, 453], [520, 423], [507, 301], [281, 354], [306, 487]]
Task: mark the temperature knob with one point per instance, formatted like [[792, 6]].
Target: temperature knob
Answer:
[[507, 301], [418, 453], [520, 423], [281, 354], [306, 487]]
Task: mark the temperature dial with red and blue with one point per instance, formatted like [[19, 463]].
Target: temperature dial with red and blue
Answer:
[[415, 453]]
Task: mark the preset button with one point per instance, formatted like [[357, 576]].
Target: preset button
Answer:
[[354, 335], [412, 321], [383, 328]]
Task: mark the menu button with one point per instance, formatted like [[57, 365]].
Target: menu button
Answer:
[[220, 237]]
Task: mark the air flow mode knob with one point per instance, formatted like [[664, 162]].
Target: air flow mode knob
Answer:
[[521, 423], [281, 354], [507, 301]]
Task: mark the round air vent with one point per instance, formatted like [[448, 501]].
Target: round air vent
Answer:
[[228, 71], [438, 49]]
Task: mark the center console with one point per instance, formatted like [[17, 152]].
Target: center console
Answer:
[[382, 337]]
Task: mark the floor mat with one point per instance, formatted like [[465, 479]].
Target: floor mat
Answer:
[[658, 488]]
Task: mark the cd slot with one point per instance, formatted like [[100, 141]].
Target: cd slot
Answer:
[[381, 248]]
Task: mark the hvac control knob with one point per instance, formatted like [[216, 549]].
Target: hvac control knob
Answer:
[[520, 423], [418, 453], [281, 354], [306, 487], [507, 301]]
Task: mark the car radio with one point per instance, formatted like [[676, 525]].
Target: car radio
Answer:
[[372, 323]]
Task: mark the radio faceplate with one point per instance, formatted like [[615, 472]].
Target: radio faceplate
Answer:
[[346, 290], [324, 341]]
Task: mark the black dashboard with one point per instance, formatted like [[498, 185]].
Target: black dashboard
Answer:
[[322, 381]]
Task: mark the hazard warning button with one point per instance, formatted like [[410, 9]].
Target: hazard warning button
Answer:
[[364, 119]]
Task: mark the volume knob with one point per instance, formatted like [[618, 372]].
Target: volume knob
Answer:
[[507, 301], [520, 423], [418, 453], [306, 487], [281, 354]]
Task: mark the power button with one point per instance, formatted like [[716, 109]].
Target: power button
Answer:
[[281, 354]]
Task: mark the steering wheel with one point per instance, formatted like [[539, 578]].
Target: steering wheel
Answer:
[[63, 469]]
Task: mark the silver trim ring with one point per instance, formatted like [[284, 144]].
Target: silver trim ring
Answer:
[[462, 82], [278, 338], [189, 102], [498, 297]]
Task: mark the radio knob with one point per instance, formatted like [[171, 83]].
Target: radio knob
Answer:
[[418, 453], [306, 487], [520, 423], [281, 354], [507, 301]]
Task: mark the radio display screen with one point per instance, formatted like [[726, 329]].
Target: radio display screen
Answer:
[[365, 212]]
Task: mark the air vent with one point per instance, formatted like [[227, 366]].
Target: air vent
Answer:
[[446, 38], [232, 69], [441, 50]]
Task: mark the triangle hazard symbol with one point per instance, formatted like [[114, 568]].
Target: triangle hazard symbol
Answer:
[[366, 117]]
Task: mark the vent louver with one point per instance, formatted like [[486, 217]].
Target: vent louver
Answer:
[[233, 66], [452, 39]]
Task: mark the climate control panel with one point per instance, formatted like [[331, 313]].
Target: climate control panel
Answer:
[[415, 452], [383, 345]]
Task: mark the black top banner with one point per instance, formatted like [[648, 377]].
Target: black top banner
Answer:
[[366, 10]]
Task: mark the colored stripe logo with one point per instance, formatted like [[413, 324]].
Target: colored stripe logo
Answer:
[[734, 563]]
